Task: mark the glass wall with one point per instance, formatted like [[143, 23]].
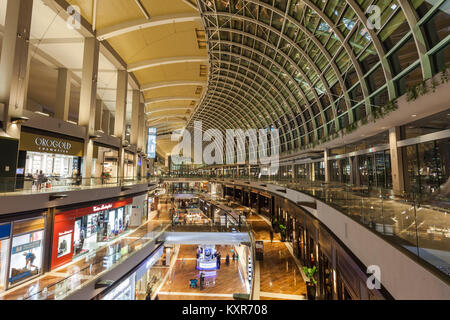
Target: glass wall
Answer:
[[303, 171], [427, 166], [374, 170], [319, 171]]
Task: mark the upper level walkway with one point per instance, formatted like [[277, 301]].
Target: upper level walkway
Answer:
[[52, 185]]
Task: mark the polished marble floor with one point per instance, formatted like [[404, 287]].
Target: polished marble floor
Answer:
[[279, 273], [220, 284]]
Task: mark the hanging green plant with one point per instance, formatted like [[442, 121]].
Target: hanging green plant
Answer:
[[434, 85], [423, 88], [444, 74], [351, 127], [364, 120], [411, 94]]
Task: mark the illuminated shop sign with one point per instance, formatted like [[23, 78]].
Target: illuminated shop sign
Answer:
[[102, 207], [48, 144], [150, 261]]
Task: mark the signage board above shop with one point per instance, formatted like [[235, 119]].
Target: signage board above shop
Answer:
[[36, 142]]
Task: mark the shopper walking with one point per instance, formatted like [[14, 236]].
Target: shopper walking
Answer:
[[227, 260]]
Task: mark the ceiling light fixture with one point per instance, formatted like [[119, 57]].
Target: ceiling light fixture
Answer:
[[19, 120]]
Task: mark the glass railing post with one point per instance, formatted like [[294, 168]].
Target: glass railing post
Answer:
[[416, 225]]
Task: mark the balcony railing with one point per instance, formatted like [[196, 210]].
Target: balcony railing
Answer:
[[102, 261], [11, 186], [418, 223]]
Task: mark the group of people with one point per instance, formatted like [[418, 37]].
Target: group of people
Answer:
[[39, 179]]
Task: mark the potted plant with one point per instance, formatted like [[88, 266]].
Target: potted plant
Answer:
[[311, 284], [282, 232]]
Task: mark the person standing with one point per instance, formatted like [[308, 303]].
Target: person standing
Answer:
[[202, 280], [227, 259], [271, 235], [40, 180], [218, 260]]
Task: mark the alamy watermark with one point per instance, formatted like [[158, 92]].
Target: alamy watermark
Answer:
[[374, 20], [73, 22], [260, 142], [374, 280]]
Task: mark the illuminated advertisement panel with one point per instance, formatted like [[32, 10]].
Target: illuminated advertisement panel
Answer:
[[151, 144]]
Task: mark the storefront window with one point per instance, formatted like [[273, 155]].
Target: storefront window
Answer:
[[52, 165], [26, 256], [80, 231], [110, 163], [345, 170], [366, 170], [5, 231]]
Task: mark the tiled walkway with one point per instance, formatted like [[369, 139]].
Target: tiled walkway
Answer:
[[280, 277]]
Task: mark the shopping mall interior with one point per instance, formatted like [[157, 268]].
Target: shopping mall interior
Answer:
[[224, 150]]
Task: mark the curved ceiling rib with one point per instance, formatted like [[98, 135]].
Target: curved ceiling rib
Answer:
[[130, 26], [171, 98], [167, 109], [163, 61], [167, 84]]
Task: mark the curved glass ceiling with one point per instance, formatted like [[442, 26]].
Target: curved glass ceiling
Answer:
[[310, 67]]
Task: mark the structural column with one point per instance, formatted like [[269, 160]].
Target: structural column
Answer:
[[14, 62], [88, 100], [106, 119], [98, 115], [398, 181], [326, 154], [111, 123], [140, 140], [14, 75], [141, 127], [135, 120], [121, 114], [63, 94]]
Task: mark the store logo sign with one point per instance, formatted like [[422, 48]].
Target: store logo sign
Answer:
[[102, 207], [52, 145]]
